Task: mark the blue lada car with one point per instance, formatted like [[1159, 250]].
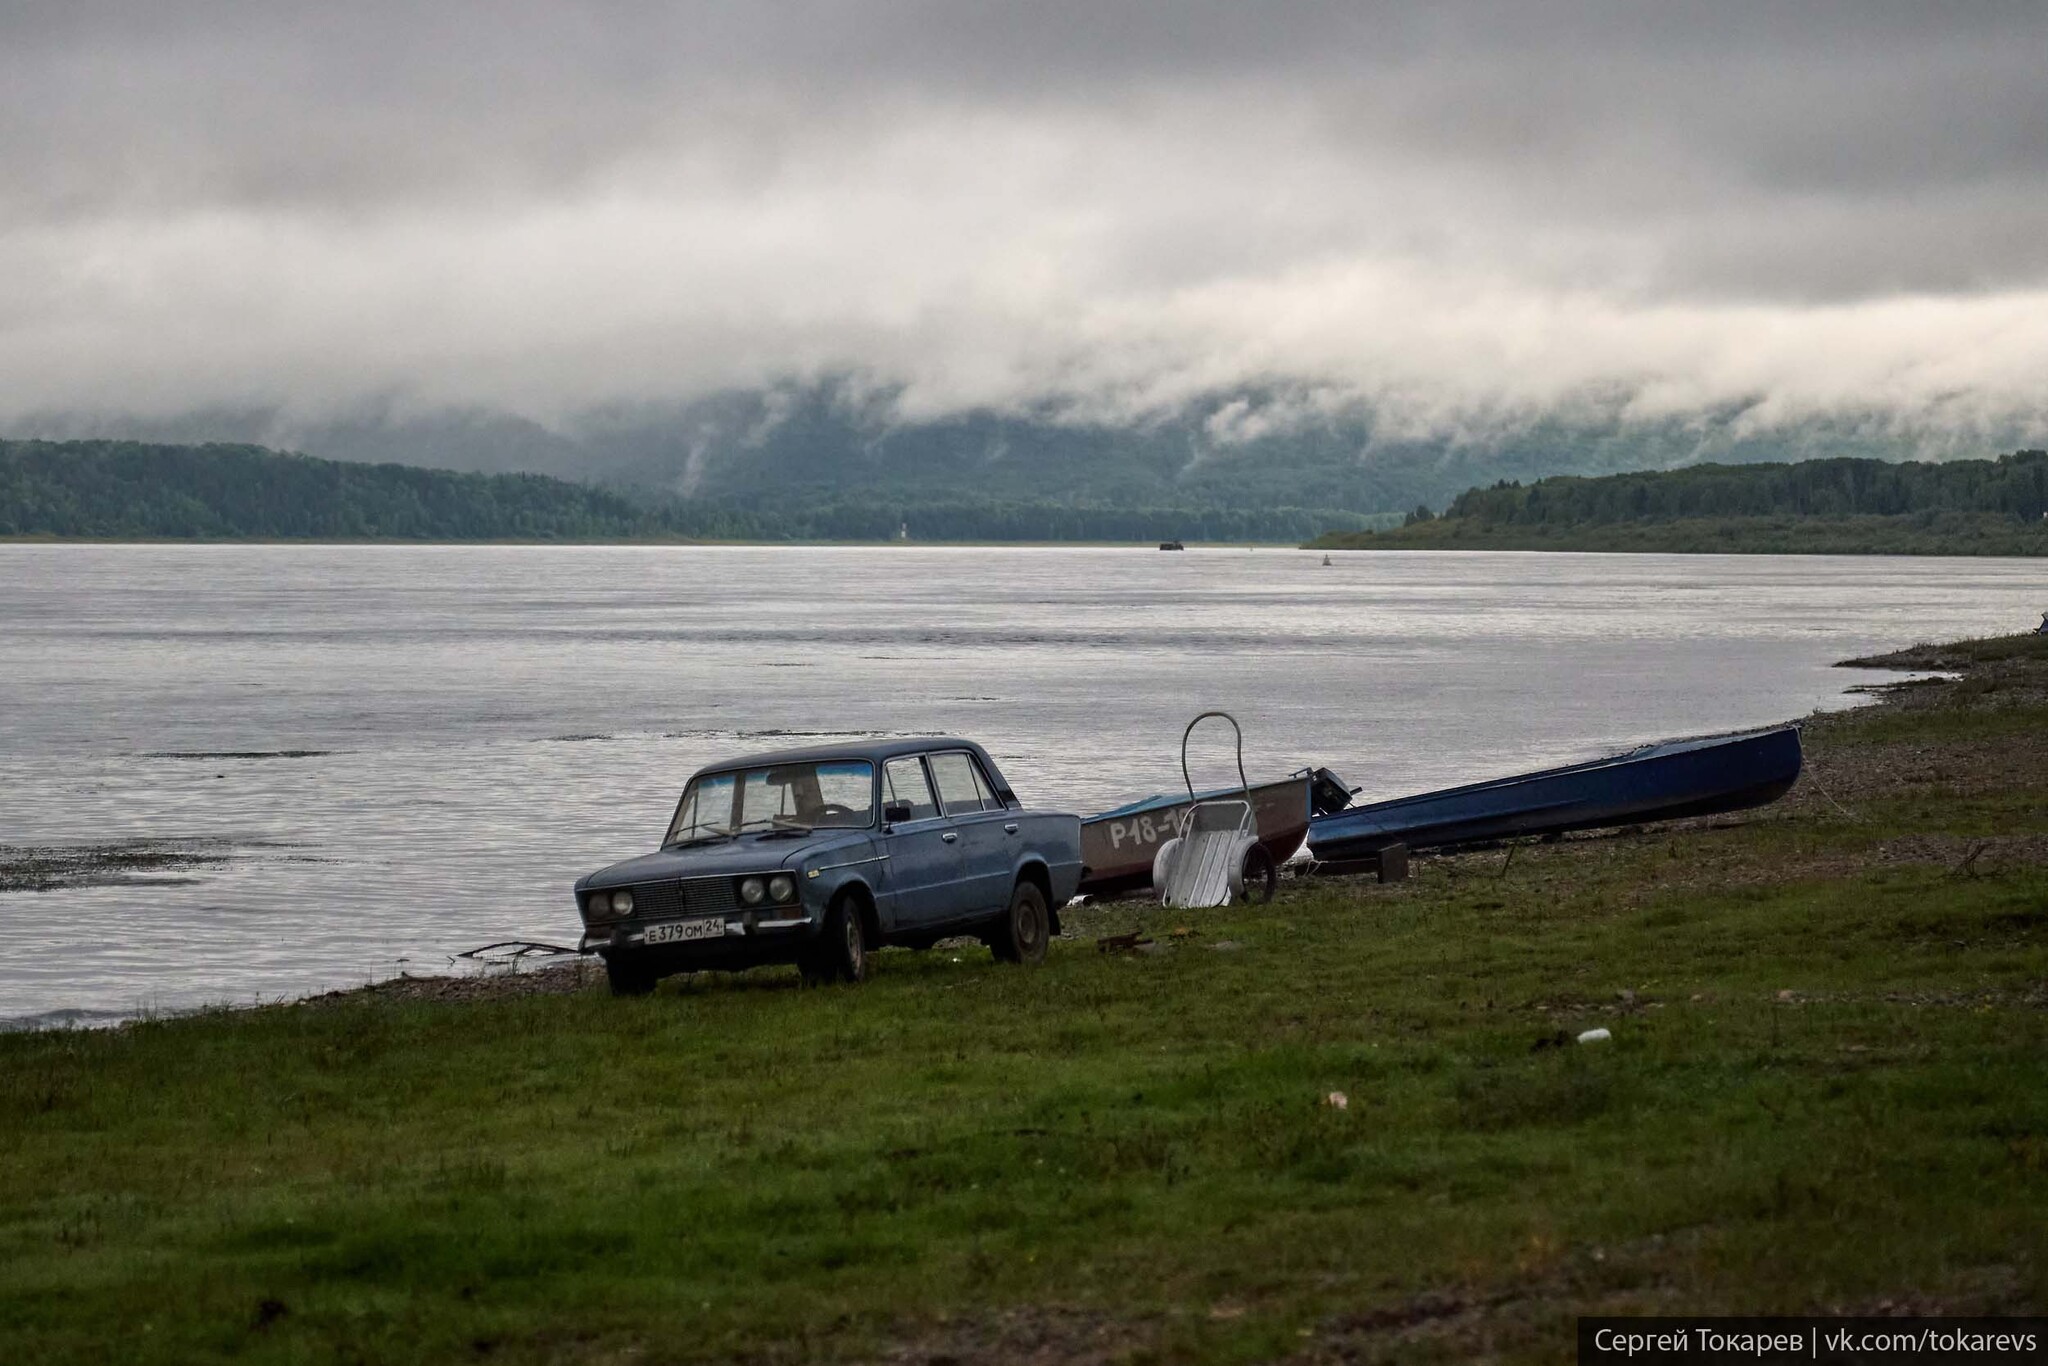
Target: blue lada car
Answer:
[[819, 856]]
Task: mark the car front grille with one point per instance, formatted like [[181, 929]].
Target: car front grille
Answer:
[[691, 896]]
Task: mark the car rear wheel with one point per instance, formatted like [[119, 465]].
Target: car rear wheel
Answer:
[[1025, 928], [840, 953], [628, 976]]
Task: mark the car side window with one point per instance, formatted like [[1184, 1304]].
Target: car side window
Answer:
[[903, 783], [989, 800], [960, 786]]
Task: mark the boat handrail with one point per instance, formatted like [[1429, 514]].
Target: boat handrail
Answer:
[[1242, 782]]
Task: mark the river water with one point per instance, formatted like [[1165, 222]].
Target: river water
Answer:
[[390, 754]]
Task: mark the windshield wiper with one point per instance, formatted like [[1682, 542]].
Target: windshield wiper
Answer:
[[696, 840], [778, 825]]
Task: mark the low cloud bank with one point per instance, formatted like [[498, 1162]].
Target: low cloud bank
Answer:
[[1463, 223]]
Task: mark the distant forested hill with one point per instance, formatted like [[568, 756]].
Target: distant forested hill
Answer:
[[123, 489], [1962, 507], [835, 440], [126, 489]]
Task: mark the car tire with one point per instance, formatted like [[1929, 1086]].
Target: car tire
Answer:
[[840, 952], [1261, 877], [1025, 928], [628, 976]]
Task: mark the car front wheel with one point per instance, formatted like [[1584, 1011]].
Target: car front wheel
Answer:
[[628, 976], [1025, 928], [840, 953]]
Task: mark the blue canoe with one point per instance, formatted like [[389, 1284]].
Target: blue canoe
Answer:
[[1655, 783]]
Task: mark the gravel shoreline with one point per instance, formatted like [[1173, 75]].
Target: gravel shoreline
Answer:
[[552, 979]]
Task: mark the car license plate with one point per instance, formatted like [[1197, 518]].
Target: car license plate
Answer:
[[678, 931]]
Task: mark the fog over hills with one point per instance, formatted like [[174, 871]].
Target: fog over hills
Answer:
[[838, 437]]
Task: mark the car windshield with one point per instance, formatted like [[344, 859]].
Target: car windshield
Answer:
[[807, 796]]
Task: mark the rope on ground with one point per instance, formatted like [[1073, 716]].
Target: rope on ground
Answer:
[[1821, 788], [1968, 867]]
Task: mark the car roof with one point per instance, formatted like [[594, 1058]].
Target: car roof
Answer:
[[873, 750]]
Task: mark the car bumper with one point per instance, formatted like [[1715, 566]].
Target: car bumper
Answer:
[[749, 930]]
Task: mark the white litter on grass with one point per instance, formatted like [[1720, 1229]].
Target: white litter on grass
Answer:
[[1337, 1100], [1595, 1036]]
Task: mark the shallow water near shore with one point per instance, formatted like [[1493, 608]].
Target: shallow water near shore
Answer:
[[233, 773]]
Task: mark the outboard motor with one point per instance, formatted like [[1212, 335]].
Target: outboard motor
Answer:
[[1328, 793]]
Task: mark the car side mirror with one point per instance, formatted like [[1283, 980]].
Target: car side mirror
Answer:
[[893, 812]]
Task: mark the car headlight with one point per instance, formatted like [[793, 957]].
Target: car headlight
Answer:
[[782, 887], [622, 902], [751, 891]]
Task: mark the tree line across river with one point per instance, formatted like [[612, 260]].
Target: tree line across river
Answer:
[[118, 490], [1842, 506], [124, 490]]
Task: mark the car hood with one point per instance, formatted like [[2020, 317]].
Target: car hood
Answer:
[[747, 854]]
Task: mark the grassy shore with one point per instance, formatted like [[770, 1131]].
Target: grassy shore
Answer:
[[1826, 1090]]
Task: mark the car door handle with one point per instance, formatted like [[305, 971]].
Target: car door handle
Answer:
[[950, 836], [1010, 829]]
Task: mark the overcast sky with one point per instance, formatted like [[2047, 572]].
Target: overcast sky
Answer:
[[1458, 213]]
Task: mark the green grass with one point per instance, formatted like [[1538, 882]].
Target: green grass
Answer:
[[2021, 718], [1827, 1087], [2026, 647]]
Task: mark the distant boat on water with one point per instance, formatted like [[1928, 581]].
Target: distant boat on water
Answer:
[[1171, 545]]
